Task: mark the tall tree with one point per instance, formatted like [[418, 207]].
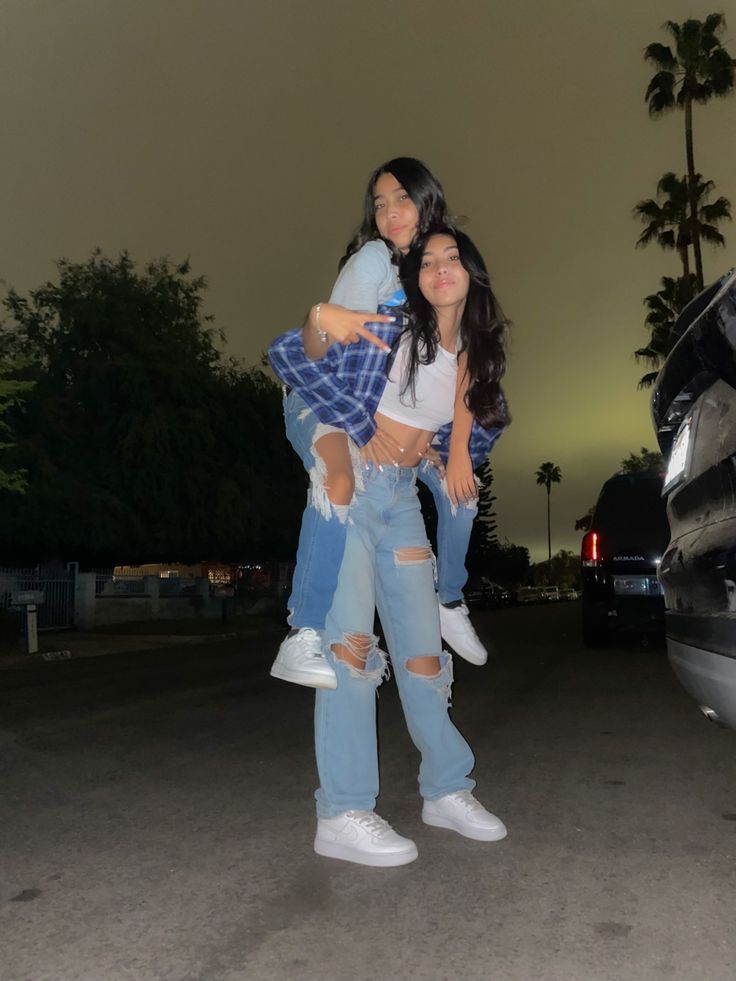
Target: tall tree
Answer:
[[664, 308], [667, 218], [548, 474], [698, 69]]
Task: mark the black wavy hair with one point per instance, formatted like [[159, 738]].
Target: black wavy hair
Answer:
[[483, 329], [422, 187]]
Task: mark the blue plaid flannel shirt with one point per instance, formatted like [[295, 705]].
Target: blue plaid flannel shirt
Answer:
[[344, 387]]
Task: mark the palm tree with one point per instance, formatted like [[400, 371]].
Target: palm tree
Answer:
[[698, 69], [669, 223], [548, 474], [665, 307]]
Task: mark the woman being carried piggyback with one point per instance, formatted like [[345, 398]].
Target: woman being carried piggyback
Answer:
[[332, 420]]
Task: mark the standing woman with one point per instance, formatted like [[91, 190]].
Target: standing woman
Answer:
[[388, 563]]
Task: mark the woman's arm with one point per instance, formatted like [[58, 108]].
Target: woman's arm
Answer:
[[364, 278], [461, 484], [328, 323]]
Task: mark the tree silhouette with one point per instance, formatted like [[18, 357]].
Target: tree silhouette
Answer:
[[644, 460], [664, 306], [548, 474], [668, 221], [698, 69], [140, 440]]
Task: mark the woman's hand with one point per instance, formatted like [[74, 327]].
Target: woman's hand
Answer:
[[461, 486], [431, 455], [382, 449], [347, 326]]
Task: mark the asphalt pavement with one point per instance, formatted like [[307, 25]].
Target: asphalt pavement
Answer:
[[156, 823]]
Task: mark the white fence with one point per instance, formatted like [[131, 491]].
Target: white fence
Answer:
[[55, 583]]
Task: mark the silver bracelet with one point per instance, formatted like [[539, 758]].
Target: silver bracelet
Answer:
[[322, 334]]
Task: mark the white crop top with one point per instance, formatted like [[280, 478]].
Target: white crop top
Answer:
[[434, 405]]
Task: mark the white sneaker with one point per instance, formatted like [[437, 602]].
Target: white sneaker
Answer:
[[364, 838], [461, 812], [458, 631], [300, 660]]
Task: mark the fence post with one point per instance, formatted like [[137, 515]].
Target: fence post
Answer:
[[84, 600]]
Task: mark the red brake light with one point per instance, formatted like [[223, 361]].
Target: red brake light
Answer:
[[591, 548]]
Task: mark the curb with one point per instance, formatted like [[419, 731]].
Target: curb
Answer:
[[166, 642]]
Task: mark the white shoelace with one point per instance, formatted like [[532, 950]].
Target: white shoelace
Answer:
[[371, 821], [468, 801], [311, 640]]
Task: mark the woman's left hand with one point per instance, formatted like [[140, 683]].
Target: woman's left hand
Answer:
[[382, 450], [461, 486]]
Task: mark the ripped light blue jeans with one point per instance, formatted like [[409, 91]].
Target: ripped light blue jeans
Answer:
[[322, 535], [387, 564]]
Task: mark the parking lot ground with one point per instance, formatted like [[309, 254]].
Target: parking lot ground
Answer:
[[157, 823]]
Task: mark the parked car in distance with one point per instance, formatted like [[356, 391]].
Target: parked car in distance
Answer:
[[484, 594], [569, 594], [551, 594], [620, 555], [530, 594], [694, 414]]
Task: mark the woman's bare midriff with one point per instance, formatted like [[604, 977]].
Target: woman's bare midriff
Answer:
[[413, 441]]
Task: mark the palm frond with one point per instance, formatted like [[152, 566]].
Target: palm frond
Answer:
[[710, 234], [648, 209], [672, 185], [649, 355], [714, 24], [719, 210], [660, 55], [646, 381], [660, 93]]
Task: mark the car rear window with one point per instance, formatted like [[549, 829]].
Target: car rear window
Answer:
[[633, 508]]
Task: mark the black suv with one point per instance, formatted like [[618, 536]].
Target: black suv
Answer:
[[694, 413], [620, 556]]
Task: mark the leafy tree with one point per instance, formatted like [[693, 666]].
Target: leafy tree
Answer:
[[698, 69], [140, 440], [548, 474], [668, 220], [561, 569], [506, 563], [12, 392], [664, 306], [584, 522], [643, 460]]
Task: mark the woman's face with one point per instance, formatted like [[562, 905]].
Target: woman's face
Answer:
[[396, 214], [443, 280]]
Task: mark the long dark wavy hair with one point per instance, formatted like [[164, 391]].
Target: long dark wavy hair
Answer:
[[483, 330], [422, 187]]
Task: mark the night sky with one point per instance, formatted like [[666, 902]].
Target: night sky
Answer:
[[241, 135]]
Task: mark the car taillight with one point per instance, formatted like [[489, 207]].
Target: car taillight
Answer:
[[591, 548]]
